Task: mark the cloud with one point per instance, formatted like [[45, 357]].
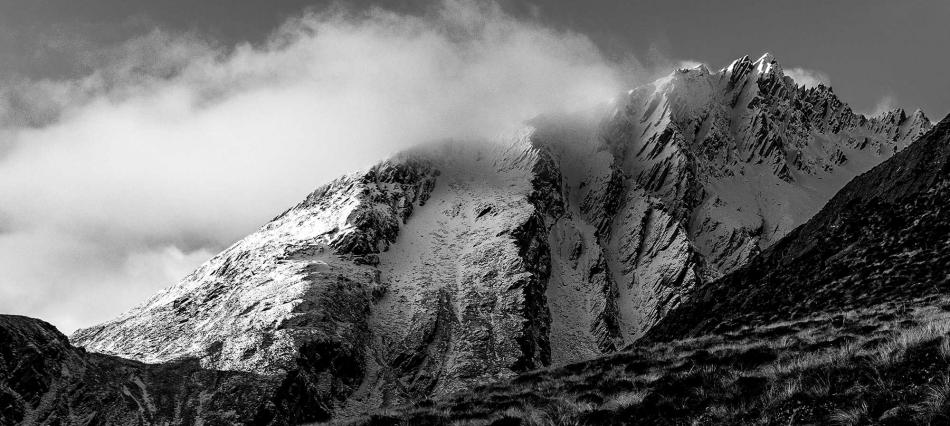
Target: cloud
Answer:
[[689, 64], [69, 281], [885, 104], [807, 77], [173, 147]]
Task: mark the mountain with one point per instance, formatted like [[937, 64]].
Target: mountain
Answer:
[[454, 264], [846, 320], [451, 265]]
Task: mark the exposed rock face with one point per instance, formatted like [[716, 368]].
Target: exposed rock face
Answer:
[[455, 264], [884, 238]]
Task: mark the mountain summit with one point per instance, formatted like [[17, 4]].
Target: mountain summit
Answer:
[[454, 264]]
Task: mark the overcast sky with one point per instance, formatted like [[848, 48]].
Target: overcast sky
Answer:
[[138, 138]]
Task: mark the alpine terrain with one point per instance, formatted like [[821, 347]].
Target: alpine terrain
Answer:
[[846, 320], [673, 212]]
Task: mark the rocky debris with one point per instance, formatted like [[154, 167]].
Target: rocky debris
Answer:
[[454, 264], [881, 239]]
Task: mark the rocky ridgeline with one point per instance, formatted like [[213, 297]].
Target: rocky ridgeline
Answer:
[[455, 264]]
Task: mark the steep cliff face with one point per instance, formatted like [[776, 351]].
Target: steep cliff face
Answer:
[[459, 263]]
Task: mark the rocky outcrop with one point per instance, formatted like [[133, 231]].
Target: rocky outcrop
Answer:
[[456, 263]]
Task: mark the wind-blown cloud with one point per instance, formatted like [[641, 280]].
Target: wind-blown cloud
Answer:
[[808, 77], [690, 64], [118, 183], [885, 104]]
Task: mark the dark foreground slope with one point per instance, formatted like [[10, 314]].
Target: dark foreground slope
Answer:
[[45, 380], [845, 321]]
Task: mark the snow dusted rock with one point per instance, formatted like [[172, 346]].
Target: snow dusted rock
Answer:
[[459, 263]]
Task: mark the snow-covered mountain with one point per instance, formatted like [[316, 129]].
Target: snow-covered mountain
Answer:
[[457, 263]]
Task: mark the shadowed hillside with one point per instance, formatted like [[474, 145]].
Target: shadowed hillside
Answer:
[[45, 380]]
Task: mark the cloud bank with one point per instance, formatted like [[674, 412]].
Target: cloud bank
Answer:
[[808, 77], [885, 104], [119, 183]]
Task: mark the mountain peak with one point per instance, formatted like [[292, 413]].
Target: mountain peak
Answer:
[[766, 57], [766, 65], [736, 65]]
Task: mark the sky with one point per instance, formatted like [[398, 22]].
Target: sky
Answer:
[[139, 138]]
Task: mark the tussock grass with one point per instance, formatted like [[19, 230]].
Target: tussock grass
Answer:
[[936, 404], [852, 416]]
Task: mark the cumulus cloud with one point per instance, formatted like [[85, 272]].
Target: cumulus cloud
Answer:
[[808, 77], [120, 182]]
